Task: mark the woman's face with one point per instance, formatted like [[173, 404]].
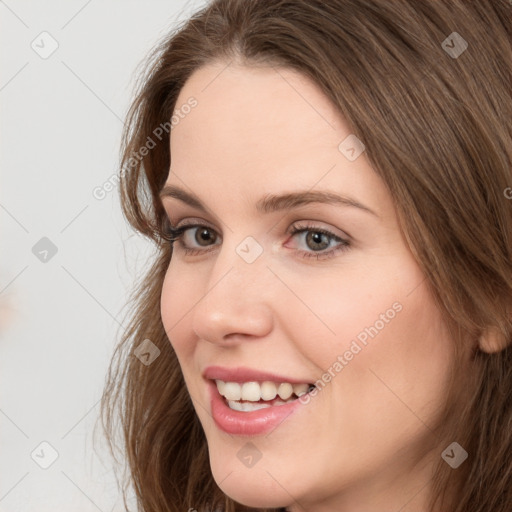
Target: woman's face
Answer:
[[341, 303]]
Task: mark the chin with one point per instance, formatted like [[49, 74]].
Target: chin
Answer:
[[251, 487]]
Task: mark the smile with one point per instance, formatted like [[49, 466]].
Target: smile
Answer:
[[252, 396], [254, 417]]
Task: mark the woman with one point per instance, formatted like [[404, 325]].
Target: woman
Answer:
[[326, 325]]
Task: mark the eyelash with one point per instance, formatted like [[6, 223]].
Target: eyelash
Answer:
[[175, 234]]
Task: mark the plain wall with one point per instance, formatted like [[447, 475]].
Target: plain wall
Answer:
[[61, 117]]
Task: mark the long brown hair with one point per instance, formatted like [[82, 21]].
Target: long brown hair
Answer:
[[434, 110]]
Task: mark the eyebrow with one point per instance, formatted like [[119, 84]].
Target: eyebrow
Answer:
[[271, 202]]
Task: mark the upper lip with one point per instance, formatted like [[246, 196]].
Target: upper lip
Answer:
[[245, 374]]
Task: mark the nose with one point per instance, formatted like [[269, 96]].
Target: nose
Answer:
[[236, 300]]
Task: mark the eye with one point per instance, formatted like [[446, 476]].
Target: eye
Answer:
[[316, 242], [191, 237]]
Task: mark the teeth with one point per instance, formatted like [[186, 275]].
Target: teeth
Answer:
[[232, 391], [220, 386], [254, 391], [246, 406], [285, 390], [251, 391], [268, 390], [300, 389]]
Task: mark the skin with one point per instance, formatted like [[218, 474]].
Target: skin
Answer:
[[364, 443]]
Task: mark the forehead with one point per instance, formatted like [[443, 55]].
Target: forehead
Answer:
[[252, 112], [262, 129]]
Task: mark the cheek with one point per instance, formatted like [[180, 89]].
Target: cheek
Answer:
[[340, 310], [399, 373], [378, 338], [177, 299]]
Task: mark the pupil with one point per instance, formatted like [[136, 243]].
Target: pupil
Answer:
[[316, 238], [204, 236]]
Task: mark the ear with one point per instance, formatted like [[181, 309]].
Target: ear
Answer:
[[492, 340]]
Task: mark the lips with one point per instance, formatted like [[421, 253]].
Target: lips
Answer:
[[245, 374], [256, 415]]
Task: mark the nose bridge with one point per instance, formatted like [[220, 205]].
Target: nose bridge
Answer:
[[237, 296], [241, 267]]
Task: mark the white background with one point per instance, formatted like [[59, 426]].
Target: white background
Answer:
[[60, 126]]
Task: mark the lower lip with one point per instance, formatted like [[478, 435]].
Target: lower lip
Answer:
[[248, 423]]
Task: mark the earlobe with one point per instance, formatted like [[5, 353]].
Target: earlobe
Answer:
[[492, 340]]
